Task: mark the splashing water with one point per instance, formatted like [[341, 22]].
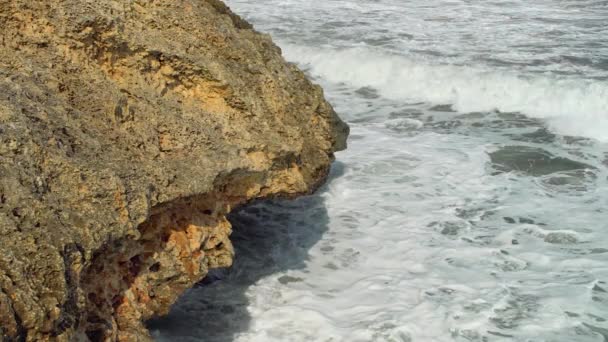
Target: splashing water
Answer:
[[472, 202]]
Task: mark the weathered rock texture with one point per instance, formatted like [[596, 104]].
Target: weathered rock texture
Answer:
[[128, 130]]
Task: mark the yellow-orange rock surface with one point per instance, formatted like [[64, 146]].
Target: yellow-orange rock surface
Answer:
[[128, 130]]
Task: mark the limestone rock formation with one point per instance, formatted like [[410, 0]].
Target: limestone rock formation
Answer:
[[128, 130]]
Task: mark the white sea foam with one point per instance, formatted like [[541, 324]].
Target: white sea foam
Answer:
[[413, 247], [571, 106], [417, 237]]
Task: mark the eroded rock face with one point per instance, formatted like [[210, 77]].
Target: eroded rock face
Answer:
[[128, 130]]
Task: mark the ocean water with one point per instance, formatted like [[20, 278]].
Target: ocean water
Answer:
[[472, 203]]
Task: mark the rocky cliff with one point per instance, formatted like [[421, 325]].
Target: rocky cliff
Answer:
[[128, 130]]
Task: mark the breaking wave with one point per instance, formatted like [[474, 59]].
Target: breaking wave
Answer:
[[570, 106]]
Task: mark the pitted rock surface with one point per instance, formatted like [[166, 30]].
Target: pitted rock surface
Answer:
[[128, 130]]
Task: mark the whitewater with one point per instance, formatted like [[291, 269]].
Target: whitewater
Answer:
[[472, 202]]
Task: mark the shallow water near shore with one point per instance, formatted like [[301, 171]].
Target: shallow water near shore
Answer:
[[472, 203]]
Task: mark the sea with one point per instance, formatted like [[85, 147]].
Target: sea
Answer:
[[472, 201]]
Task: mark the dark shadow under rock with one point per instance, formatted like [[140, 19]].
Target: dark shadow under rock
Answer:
[[269, 237]]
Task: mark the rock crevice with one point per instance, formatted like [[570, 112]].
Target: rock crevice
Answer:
[[128, 131]]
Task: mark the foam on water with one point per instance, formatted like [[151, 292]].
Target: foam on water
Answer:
[[462, 210], [571, 106], [423, 243]]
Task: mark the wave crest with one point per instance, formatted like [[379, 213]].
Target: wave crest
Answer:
[[570, 106]]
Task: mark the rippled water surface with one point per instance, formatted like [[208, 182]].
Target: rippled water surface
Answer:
[[472, 203]]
